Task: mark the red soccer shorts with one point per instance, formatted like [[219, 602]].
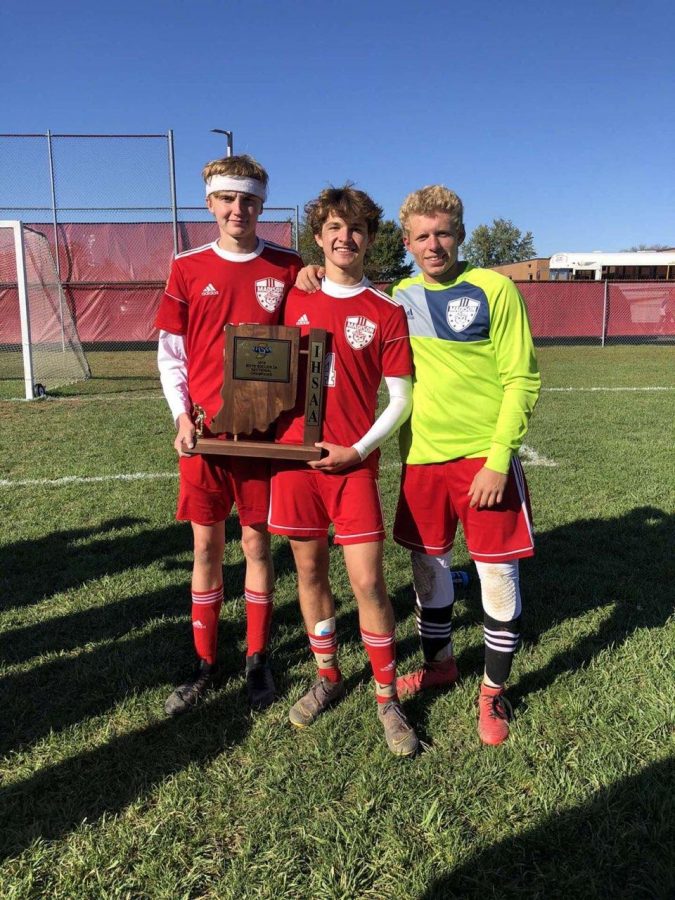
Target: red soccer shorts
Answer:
[[434, 497], [210, 485], [303, 503]]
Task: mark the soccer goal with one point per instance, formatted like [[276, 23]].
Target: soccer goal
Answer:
[[39, 343]]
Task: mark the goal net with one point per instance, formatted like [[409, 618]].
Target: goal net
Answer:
[[39, 345]]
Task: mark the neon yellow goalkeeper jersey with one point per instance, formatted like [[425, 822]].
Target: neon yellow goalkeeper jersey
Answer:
[[476, 379]]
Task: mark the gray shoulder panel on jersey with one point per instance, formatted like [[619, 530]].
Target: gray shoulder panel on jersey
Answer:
[[414, 302]]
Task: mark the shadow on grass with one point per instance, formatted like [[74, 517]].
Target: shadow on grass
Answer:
[[116, 619], [619, 844], [33, 570], [64, 691], [61, 692], [580, 567], [626, 562], [60, 797], [69, 690]]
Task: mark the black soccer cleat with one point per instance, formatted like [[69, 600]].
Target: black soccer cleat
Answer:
[[259, 682], [190, 693]]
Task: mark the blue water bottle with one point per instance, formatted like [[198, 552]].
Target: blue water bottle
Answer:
[[460, 578]]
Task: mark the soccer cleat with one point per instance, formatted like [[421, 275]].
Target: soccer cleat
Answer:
[[187, 695], [494, 715], [431, 675], [322, 694], [400, 735], [259, 681]]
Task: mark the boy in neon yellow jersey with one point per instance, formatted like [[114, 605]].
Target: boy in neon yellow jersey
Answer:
[[475, 386]]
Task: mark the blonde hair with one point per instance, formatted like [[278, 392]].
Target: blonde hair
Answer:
[[433, 198], [244, 166], [348, 203]]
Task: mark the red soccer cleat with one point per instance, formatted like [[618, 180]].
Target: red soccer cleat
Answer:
[[494, 715], [431, 675]]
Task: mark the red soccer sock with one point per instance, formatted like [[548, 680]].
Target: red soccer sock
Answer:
[[324, 648], [259, 608], [205, 612], [381, 650]]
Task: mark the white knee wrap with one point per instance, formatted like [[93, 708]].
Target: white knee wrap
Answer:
[[500, 590], [432, 580]]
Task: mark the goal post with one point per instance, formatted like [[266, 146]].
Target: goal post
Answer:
[[38, 335]]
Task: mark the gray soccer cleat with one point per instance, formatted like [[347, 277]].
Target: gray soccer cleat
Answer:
[[322, 694], [400, 735]]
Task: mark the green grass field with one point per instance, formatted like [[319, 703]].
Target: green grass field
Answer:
[[101, 796]]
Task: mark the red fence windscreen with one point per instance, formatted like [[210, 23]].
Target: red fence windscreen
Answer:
[[114, 273]]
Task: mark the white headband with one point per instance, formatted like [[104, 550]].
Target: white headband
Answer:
[[236, 183]]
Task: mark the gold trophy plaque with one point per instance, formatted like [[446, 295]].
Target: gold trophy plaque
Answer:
[[260, 381]]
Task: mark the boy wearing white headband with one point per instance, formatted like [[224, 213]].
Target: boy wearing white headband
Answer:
[[237, 279]]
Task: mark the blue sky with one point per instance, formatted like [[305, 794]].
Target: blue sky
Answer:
[[560, 117]]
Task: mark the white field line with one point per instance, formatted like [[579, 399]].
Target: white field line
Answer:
[[84, 398], [82, 479], [572, 390], [528, 457], [159, 396]]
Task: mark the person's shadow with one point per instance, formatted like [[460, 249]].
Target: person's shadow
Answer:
[[619, 844], [104, 652], [624, 564], [581, 566], [33, 570]]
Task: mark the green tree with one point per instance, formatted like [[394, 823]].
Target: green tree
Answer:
[[385, 260], [499, 243], [310, 251]]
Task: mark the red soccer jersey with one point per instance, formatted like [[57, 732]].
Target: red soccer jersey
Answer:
[[209, 288], [367, 338]]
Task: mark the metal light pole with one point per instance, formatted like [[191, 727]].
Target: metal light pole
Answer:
[[230, 139]]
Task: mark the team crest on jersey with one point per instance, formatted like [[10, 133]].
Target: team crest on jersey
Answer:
[[269, 292], [359, 331], [461, 313]]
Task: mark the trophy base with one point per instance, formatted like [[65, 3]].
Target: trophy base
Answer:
[[264, 449]]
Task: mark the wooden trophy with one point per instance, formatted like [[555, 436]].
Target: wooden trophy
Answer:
[[260, 382]]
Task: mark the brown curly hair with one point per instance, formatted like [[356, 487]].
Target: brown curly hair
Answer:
[[348, 203]]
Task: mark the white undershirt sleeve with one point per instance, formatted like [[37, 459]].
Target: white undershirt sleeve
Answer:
[[392, 416], [172, 364]]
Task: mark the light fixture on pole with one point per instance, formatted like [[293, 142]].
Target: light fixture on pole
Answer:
[[230, 139]]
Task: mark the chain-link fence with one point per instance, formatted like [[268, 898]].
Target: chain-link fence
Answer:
[[600, 312], [106, 205]]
